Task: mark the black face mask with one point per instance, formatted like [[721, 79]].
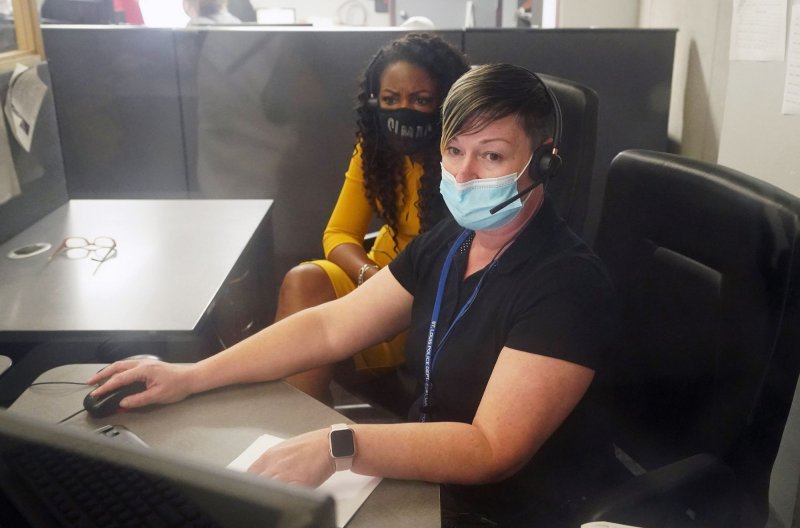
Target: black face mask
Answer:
[[409, 131]]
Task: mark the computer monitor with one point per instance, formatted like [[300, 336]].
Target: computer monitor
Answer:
[[222, 497]]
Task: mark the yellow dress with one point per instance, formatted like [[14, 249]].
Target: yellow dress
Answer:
[[348, 224]]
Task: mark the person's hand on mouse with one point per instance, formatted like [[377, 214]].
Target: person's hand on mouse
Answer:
[[166, 382], [303, 459]]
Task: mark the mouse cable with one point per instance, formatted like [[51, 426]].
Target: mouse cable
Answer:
[[73, 415], [59, 383]]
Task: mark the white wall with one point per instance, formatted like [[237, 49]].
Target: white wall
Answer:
[[701, 67], [756, 138], [723, 111], [163, 13], [169, 13], [331, 12], [598, 13], [700, 74]]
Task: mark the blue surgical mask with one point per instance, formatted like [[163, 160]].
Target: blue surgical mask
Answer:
[[469, 202]]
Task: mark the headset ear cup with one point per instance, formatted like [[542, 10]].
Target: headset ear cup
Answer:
[[372, 82], [546, 162], [554, 163]]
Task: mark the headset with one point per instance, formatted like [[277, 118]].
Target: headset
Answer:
[[372, 101], [546, 158]]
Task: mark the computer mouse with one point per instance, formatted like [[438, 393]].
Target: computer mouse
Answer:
[[143, 356], [108, 404]]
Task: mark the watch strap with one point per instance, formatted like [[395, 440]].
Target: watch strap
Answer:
[[343, 463]]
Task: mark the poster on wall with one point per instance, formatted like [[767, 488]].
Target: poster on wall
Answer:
[[791, 89], [9, 182], [758, 30], [23, 101]]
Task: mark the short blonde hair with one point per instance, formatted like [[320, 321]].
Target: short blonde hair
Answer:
[[490, 92]]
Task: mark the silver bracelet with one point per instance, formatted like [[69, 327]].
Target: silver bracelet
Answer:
[[363, 271]]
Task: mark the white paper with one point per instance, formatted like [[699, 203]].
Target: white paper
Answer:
[[23, 102], [9, 182], [349, 489], [791, 89], [758, 30]]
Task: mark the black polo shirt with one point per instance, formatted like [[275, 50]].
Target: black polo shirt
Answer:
[[549, 295]]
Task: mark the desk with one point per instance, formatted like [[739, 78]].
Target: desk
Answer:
[[217, 426], [172, 258]]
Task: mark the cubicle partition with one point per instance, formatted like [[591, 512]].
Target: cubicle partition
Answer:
[[256, 112], [270, 114], [117, 98], [32, 181], [214, 113]]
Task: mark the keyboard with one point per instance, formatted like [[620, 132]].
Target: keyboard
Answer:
[[85, 493]]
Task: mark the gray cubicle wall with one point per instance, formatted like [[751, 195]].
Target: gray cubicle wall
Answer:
[[220, 113], [268, 112], [40, 171], [117, 98], [631, 71]]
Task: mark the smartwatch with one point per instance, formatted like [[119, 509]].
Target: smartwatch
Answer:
[[342, 442]]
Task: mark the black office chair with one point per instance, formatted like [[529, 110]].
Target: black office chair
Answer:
[[570, 190], [705, 261]]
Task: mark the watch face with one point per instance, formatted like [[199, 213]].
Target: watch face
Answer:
[[342, 443]]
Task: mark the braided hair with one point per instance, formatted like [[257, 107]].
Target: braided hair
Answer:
[[384, 168]]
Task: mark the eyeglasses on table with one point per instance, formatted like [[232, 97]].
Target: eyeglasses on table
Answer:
[[100, 249]]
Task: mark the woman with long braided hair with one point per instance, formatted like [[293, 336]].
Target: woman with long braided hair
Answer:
[[394, 173]]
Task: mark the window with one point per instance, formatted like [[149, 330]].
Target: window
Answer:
[[20, 35]]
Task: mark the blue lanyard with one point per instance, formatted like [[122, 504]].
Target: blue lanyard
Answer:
[[430, 353]]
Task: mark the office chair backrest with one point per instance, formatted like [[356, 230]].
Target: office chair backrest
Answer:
[[570, 188], [705, 262]]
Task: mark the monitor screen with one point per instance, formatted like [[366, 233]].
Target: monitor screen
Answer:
[[59, 475]]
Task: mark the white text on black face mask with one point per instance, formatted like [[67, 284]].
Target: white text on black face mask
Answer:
[[405, 131]]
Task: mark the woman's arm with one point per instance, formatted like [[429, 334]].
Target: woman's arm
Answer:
[[350, 218], [351, 258], [317, 336], [320, 335], [349, 222], [527, 398]]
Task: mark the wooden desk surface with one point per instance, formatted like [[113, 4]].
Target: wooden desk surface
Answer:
[[172, 258], [217, 426]]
